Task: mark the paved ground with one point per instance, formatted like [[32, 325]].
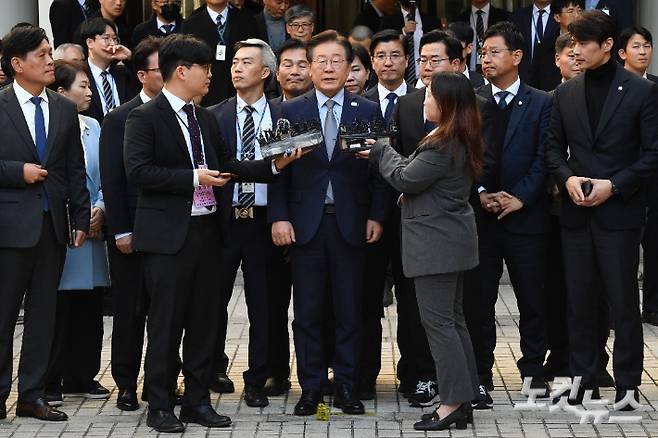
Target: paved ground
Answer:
[[388, 416]]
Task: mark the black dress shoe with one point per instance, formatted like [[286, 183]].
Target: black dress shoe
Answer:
[[406, 388], [255, 397], [204, 415], [483, 399], [650, 317], [457, 417], [40, 410], [222, 384], [127, 400], [3, 411], [467, 407], [275, 386], [627, 393], [164, 421], [308, 403], [540, 383], [605, 380], [578, 399], [347, 400]]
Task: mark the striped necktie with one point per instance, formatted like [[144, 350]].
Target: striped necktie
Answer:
[[248, 152], [108, 95]]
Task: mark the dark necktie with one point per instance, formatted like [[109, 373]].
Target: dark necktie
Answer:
[[40, 138], [539, 31], [167, 28], [195, 135], [86, 9], [107, 92], [221, 28], [479, 32], [389, 108], [410, 71], [502, 99], [248, 152]]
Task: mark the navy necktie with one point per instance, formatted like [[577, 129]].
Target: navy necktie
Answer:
[[167, 28], [40, 138], [389, 108], [502, 99]]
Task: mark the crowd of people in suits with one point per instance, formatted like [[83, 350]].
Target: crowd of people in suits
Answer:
[[132, 163]]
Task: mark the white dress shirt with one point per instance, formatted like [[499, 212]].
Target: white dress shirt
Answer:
[[214, 15], [418, 34], [262, 121], [29, 109], [177, 105], [383, 92], [474, 20], [533, 27], [513, 90], [96, 73], [338, 107], [160, 24]]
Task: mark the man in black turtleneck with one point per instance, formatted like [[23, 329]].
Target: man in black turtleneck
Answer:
[[606, 122]]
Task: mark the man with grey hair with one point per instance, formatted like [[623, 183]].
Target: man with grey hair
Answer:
[[69, 52], [361, 35], [300, 22], [241, 119]]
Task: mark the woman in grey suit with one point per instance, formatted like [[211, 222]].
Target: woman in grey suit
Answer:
[[75, 354], [439, 238]]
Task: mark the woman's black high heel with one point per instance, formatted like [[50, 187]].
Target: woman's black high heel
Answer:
[[457, 417], [467, 407]]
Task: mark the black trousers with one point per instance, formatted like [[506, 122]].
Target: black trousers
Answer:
[[650, 260], [33, 273], [279, 301], [75, 357], [525, 257], [612, 255], [250, 246], [130, 304], [183, 297], [327, 265]]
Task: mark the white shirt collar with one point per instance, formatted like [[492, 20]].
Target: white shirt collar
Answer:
[[176, 102], [535, 10], [161, 23], [383, 91], [466, 72], [512, 89], [82, 2], [96, 70], [145, 98], [213, 14], [258, 106], [24, 96], [485, 9], [338, 98]]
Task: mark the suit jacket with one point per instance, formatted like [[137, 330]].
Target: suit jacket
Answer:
[[652, 78], [120, 196], [522, 168], [373, 94], [621, 10], [241, 25], [538, 71], [298, 195], [226, 116], [624, 147], [158, 164], [150, 28], [125, 82], [496, 15], [370, 19], [477, 80], [21, 210], [396, 22], [86, 266], [65, 17], [438, 223]]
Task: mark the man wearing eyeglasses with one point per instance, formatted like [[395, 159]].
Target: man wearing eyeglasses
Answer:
[[111, 84], [113, 10], [165, 20], [300, 22], [327, 207]]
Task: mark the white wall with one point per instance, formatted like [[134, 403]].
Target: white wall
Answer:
[[44, 20], [648, 17], [15, 11]]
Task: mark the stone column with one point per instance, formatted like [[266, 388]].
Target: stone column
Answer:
[[648, 17], [16, 11]]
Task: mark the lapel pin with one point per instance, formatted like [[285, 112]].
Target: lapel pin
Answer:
[[353, 103], [620, 88], [520, 102]]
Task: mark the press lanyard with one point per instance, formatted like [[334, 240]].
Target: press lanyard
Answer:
[[203, 155], [237, 125]]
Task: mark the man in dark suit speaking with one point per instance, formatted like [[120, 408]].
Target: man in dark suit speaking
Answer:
[[173, 156], [327, 206], [41, 170]]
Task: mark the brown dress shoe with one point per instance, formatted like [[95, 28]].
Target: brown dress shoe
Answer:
[[39, 409]]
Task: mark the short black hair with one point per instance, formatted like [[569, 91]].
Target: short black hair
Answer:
[[182, 49], [593, 25], [454, 49], [21, 24], [329, 36], [66, 72], [290, 44], [92, 28], [432, 37], [511, 34], [558, 5], [630, 32], [386, 36], [562, 42], [363, 55], [146, 47], [18, 43], [463, 32]]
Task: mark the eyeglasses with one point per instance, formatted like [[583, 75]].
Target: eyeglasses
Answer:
[[109, 39], [300, 26], [152, 69], [434, 62], [334, 62], [394, 57], [494, 52], [205, 67]]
